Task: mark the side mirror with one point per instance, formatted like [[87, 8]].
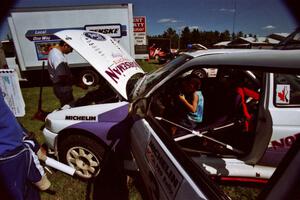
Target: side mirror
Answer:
[[140, 107]]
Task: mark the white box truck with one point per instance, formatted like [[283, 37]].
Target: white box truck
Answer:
[[32, 34]]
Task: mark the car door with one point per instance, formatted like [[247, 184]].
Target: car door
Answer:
[[284, 106], [166, 172]]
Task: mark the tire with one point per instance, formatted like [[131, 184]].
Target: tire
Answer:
[[89, 78], [82, 153]]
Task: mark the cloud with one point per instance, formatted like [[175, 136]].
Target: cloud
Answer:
[[193, 27], [190, 27], [168, 20], [269, 27], [226, 10]]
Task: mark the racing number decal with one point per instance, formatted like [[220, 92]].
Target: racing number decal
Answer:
[[285, 142], [164, 171]]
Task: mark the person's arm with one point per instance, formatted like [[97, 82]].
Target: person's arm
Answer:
[[191, 107], [251, 93]]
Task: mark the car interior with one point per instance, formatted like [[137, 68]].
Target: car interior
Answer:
[[222, 131]]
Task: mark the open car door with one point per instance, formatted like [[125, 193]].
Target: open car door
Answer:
[[163, 166]]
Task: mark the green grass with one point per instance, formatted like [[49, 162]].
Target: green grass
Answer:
[[67, 187]]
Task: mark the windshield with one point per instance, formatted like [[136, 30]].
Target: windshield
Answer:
[[149, 80]]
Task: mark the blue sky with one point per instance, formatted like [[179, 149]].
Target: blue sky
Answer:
[[260, 17]]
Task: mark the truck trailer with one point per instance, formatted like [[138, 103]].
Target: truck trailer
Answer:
[[32, 31]]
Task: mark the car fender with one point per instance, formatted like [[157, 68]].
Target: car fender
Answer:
[[95, 119]]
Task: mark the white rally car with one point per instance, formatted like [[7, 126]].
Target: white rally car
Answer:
[[172, 165]]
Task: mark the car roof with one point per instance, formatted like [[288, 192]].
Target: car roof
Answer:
[[267, 59], [217, 51]]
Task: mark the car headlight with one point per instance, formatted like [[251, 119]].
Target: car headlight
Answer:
[[48, 124]]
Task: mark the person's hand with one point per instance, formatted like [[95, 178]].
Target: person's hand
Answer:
[[42, 155], [182, 97]]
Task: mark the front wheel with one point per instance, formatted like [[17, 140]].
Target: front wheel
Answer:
[[82, 153]]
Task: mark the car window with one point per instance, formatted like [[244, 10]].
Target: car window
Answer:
[[287, 90], [153, 78]]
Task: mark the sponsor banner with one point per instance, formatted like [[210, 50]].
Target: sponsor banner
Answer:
[[9, 84], [140, 35], [139, 24], [140, 38], [105, 55]]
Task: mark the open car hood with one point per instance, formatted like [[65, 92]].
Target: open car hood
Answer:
[[105, 55]]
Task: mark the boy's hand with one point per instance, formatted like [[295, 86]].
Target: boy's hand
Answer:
[[182, 97]]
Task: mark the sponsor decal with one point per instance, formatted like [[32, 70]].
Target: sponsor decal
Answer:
[[80, 118], [116, 55], [283, 94], [113, 30], [117, 71], [165, 172], [284, 142], [92, 44], [94, 36]]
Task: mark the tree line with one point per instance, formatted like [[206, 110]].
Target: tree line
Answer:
[[206, 38]]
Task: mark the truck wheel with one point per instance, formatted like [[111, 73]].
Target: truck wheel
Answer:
[[89, 78], [82, 153]]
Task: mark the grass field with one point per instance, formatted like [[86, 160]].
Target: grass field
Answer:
[[66, 187]]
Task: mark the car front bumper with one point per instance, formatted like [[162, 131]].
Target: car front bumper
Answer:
[[50, 138]]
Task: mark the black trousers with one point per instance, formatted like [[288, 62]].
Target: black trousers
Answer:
[[64, 93]]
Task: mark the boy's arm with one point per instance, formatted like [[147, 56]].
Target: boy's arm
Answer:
[[191, 107]]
